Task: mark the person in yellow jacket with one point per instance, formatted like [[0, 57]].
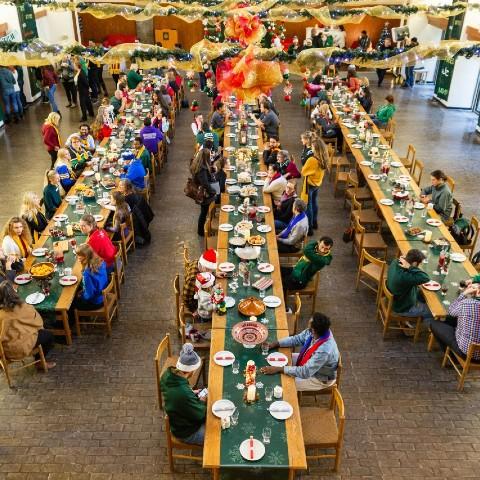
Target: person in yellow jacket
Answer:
[[313, 172]]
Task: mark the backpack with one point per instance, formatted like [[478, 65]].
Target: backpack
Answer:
[[184, 103], [476, 258], [348, 235], [462, 231]]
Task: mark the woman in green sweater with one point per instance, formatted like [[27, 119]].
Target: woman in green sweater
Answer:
[[133, 77], [51, 194], [186, 411], [385, 112]]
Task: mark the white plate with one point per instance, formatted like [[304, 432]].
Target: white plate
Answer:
[[223, 408], [357, 145], [23, 278], [68, 280], [230, 181], [351, 135], [229, 302], [286, 410], [253, 137], [225, 227], [400, 219], [226, 267], [366, 163], [404, 178], [231, 124], [72, 198], [39, 252], [224, 358], [98, 218], [265, 267], [259, 182], [35, 298], [457, 257], [233, 189], [432, 286], [231, 135], [376, 135], [264, 228], [110, 207], [386, 201], [433, 222], [262, 174], [246, 450], [272, 301], [263, 209], [418, 206], [396, 164], [228, 208], [277, 359], [60, 217], [88, 173], [103, 201], [231, 168], [401, 194], [374, 176], [383, 147], [229, 149]]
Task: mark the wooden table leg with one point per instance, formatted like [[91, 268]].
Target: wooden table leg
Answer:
[[66, 332], [215, 472]]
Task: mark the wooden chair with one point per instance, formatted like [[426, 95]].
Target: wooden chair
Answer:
[[176, 444], [331, 141], [165, 359], [186, 257], [146, 190], [201, 345], [336, 162], [457, 210], [368, 241], [127, 239], [293, 255], [341, 177], [410, 157], [389, 131], [463, 364], [417, 170], [162, 154], [108, 311], [366, 216], [471, 246], [209, 235], [362, 194], [119, 268], [293, 318], [153, 172], [330, 435], [178, 302], [370, 272], [451, 183], [390, 320], [5, 362], [309, 291]]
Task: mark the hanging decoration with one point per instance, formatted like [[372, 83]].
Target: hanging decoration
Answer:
[[214, 32], [246, 29], [274, 34]]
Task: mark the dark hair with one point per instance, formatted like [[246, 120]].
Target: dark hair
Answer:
[[128, 185], [147, 122], [414, 39], [275, 167], [267, 105], [327, 241], [300, 205], [414, 256], [84, 125], [208, 144], [367, 93], [9, 298], [219, 105], [364, 32], [205, 127], [139, 139], [389, 99], [439, 175], [320, 323]]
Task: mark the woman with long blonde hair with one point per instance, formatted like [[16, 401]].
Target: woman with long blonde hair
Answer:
[[17, 240], [51, 135], [313, 172], [31, 212], [121, 215]]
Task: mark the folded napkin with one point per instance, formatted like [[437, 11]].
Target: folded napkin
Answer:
[[276, 359], [224, 358], [279, 409], [222, 409]]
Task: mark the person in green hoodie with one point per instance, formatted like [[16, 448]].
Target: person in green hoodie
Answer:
[[133, 77], [186, 411], [403, 278], [439, 194], [385, 112], [316, 255]]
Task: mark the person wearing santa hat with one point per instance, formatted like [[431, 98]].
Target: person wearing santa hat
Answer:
[[204, 282], [206, 263]]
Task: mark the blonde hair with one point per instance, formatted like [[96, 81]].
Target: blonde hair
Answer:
[[51, 175], [365, 82], [62, 155], [53, 119], [90, 259], [8, 230], [324, 109], [320, 152], [30, 206]]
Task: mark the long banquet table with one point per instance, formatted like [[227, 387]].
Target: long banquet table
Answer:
[[286, 452]]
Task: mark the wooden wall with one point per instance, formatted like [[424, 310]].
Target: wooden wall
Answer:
[[188, 33], [97, 29]]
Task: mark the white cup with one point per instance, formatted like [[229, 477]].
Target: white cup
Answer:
[[278, 391], [67, 271]]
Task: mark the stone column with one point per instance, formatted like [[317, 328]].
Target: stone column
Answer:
[[145, 32]]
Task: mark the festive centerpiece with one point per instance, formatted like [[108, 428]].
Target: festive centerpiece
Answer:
[[250, 395]]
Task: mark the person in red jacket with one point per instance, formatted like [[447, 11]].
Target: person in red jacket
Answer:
[[51, 136], [99, 240]]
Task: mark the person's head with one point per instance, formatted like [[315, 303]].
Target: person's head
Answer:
[[201, 159], [118, 94], [283, 156], [208, 261], [325, 244], [122, 77], [414, 257], [387, 42], [88, 258], [299, 206], [324, 110], [134, 67], [320, 152], [364, 33], [53, 118], [126, 186], [30, 203], [389, 99], [163, 90], [156, 96], [205, 127], [414, 39], [137, 143], [265, 107], [290, 187], [188, 361], [319, 324], [117, 199], [17, 226], [437, 177], [273, 142], [208, 144], [365, 82], [9, 297], [87, 224], [273, 169], [219, 107], [53, 177], [307, 138], [147, 122], [295, 40], [84, 130], [76, 143]]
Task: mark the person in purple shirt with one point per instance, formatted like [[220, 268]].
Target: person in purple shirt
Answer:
[[151, 136]]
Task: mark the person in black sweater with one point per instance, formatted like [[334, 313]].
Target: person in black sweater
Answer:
[[283, 212], [81, 81], [31, 212], [270, 152]]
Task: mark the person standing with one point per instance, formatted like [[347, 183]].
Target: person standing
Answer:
[[383, 47], [51, 136], [81, 82], [133, 77], [409, 75], [18, 91], [92, 76], [49, 82], [7, 87], [67, 72], [364, 41]]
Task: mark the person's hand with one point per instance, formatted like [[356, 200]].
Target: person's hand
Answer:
[[468, 282], [471, 289], [271, 370], [8, 263], [403, 263], [57, 149], [204, 398]]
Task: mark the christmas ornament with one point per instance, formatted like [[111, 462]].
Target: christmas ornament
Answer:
[[194, 106]]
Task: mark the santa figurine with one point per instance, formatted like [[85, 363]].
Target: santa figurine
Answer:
[[218, 299], [203, 286]]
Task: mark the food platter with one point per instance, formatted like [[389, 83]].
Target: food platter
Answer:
[[251, 306], [250, 333], [42, 270]]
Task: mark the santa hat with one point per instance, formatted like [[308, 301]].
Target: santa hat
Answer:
[[204, 280], [208, 259]]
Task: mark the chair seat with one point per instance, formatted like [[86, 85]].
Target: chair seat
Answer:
[[361, 194], [406, 162], [312, 434], [371, 241], [342, 176], [211, 242], [368, 216], [373, 271]]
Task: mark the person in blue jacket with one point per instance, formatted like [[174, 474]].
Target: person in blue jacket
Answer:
[[135, 171]]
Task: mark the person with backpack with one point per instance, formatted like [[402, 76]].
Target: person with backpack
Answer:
[[439, 194]]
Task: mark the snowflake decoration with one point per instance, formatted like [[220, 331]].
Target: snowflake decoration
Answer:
[[248, 428], [276, 458], [234, 454]]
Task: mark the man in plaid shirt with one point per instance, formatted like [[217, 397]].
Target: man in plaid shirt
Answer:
[[462, 327]]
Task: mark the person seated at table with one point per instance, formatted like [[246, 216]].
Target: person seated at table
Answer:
[[99, 240], [352, 81], [268, 120], [275, 182], [263, 97], [217, 122], [307, 138], [22, 327], [51, 194], [403, 278], [161, 122], [118, 102], [315, 366], [151, 136], [167, 97], [461, 328], [205, 134], [186, 411], [31, 212], [79, 156], [86, 140], [134, 171], [316, 255], [7, 270], [161, 102], [364, 95], [385, 112], [204, 283], [271, 151], [290, 239], [63, 167], [94, 280], [133, 77], [287, 166], [197, 123], [330, 129], [295, 48], [439, 194], [16, 240], [142, 154], [315, 91], [121, 215], [283, 210]]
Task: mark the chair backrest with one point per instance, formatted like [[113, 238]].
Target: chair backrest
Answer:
[[186, 257], [176, 290], [451, 183], [109, 289], [352, 180], [417, 170], [360, 230], [331, 155], [119, 266], [339, 409], [473, 348], [457, 209], [293, 319], [356, 206], [154, 168], [476, 228], [411, 153], [164, 350], [391, 126], [127, 225], [385, 300], [367, 258], [181, 319], [339, 371]]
